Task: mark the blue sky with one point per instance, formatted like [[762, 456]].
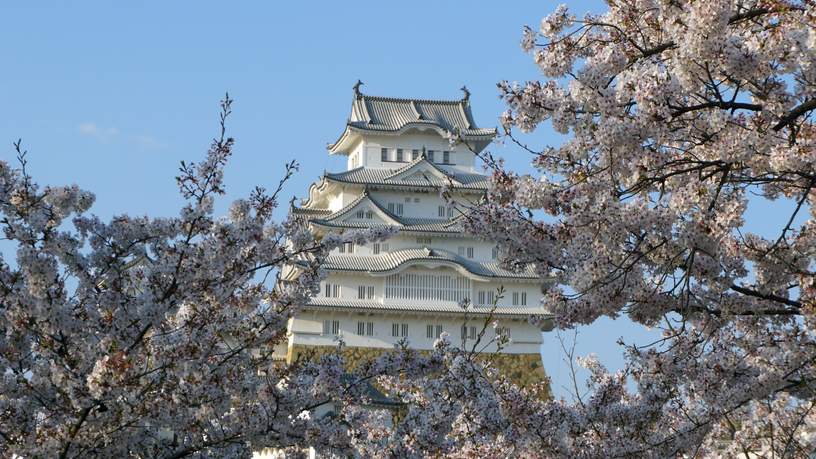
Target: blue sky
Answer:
[[112, 95]]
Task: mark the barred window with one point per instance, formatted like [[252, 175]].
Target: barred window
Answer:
[[441, 210], [370, 328], [515, 298], [524, 298], [361, 328], [445, 157], [394, 329], [431, 155], [404, 330], [384, 155], [331, 327], [414, 154], [438, 330], [427, 287], [332, 291], [470, 252], [429, 329]]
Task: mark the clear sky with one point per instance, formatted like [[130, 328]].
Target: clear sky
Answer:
[[112, 95]]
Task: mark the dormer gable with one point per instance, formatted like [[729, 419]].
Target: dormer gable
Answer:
[[421, 170]]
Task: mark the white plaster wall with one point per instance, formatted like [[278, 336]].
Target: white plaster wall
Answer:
[[463, 159], [525, 338]]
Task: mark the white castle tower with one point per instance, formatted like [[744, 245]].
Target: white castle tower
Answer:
[[398, 157]]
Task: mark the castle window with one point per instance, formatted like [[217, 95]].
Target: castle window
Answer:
[[399, 155], [438, 330], [441, 211], [445, 157], [423, 240], [414, 154], [361, 328], [331, 327], [429, 331], [365, 292], [332, 291], [486, 298], [395, 208], [468, 332], [416, 200], [384, 155], [503, 331], [431, 155], [370, 328], [470, 252], [368, 214], [407, 200], [524, 298], [430, 287], [401, 330], [515, 298], [347, 247], [379, 247]]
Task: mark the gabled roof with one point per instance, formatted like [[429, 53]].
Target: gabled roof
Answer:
[[394, 261], [433, 307], [363, 199], [390, 115]]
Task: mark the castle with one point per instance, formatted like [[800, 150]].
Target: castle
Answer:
[[400, 153]]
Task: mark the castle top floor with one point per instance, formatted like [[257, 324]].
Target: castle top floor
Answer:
[[387, 132]]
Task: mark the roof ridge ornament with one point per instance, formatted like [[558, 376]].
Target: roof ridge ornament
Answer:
[[466, 95], [357, 92]]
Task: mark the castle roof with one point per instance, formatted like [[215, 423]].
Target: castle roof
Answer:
[[394, 261], [434, 307], [390, 116], [418, 173], [336, 220]]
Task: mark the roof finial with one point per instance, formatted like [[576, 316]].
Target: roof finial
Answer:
[[357, 85], [423, 152], [466, 92]]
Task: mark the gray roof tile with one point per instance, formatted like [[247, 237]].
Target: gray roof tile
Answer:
[[393, 260], [429, 307]]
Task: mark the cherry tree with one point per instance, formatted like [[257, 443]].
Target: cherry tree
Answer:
[[154, 337], [677, 116]]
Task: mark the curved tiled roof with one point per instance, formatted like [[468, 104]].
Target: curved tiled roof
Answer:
[[435, 307], [387, 177], [394, 260], [393, 115]]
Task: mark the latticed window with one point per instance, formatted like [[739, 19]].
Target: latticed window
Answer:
[[379, 247], [414, 154], [399, 155], [370, 328], [361, 328], [515, 298], [395, 329], [331, 327], [429, 329], [384, 155], [438, 330], [426, 287], [470, 252], [445, 157], [423, 240], [468, 332], [485, 298], [332, 291], [430, 155], [404, 329], [524, 298]]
